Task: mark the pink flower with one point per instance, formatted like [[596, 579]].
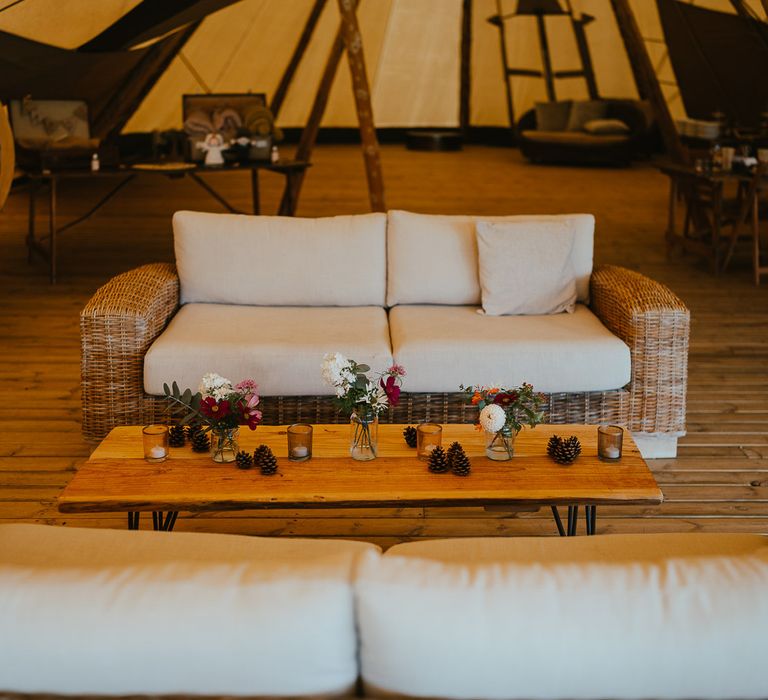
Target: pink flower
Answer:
[[254, 419], [391, 389], [396, 371], [247, 386], [251, 402]]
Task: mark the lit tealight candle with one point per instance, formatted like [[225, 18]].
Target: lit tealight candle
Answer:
[[157, 452], [612, 452], [299, 451]]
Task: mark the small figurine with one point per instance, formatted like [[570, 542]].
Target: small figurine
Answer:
[[213, 145]]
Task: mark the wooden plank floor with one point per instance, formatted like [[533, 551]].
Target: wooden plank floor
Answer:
[[718, 483]]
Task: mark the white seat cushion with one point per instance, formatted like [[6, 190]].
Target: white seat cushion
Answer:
[[108, 612], [281, 260], [445, 346], [432, 259], [548, 618], [281, 348]]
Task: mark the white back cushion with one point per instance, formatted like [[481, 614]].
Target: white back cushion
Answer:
[[281, 260], [432, 259], [108, 612], [681, 627]]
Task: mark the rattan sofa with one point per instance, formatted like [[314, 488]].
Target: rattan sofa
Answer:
[[125, 317]]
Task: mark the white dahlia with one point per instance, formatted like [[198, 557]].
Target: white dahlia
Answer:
[[492, 418]]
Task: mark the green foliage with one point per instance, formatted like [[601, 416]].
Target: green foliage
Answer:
[[183, 403], [522, 405]]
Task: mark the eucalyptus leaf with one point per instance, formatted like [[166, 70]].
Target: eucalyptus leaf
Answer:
[[363, 368]]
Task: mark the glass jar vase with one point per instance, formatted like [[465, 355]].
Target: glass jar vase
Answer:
[[363, 435], [224, 446], [500, 446]]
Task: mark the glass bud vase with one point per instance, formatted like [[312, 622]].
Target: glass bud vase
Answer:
[[224, 446], [363, 435], [500, 446]]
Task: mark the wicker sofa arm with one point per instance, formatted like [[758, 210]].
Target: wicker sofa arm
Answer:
[[117, 326], [655, 324]]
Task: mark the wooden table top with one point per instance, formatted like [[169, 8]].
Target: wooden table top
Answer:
[[116, 478]]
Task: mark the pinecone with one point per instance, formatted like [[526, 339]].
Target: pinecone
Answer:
[[438, 462], [409, 433], [193, 428], [459, 462], [564, 450], [244, 460], [453, 449], [265, 460], [200, 441], [177, 436]]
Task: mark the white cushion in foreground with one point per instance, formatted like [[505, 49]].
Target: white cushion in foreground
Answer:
[[575, 618], [134, 613]]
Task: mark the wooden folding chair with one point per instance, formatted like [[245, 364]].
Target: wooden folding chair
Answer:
[[750, 212]]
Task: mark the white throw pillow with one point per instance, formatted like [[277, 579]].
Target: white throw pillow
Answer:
[[526, 268]]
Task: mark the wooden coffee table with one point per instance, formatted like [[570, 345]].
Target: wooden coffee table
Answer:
[[117, 479]]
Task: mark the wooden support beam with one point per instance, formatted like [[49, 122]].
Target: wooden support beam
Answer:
[[298, 54], [128, 96], [585, 54], [465, 78], [645, 78], [545, 58], [7, 155], [498, 20], [765, 7], [309, 133], [353, 41]]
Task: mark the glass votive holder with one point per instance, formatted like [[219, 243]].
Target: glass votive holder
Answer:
[[299, 442], [609, 442], [428, 437], [155, 443]]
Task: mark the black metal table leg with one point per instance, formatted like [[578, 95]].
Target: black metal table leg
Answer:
[[573, 519], [164, 522], [133, 520], [591, 519], [558, 521]]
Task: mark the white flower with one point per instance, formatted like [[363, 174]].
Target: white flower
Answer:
[[337, 370], [492, 418], [377, 398], [216, 386]]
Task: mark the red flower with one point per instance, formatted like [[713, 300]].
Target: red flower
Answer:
[[391, 389], [216, 410], [505, 399]]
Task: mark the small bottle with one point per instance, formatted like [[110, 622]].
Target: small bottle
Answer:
[[274, 156], [95, 164]]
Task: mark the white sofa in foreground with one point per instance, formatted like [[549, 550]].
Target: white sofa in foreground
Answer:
[[115, 613], [267, 297]]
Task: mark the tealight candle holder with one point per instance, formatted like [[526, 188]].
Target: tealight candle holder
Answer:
[[155, 443], [428, 437], [299, 442], [609, 442]]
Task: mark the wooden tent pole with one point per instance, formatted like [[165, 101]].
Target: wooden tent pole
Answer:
[[311, 128], [465, 77], [765, 7], [584, 53], [545, 57], [498, 20], [645, 77], [298, 54], [353, 41], [128, 97], [7, 155]]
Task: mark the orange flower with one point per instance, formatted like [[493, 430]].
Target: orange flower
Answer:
[[478, 427], [476, 398]]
